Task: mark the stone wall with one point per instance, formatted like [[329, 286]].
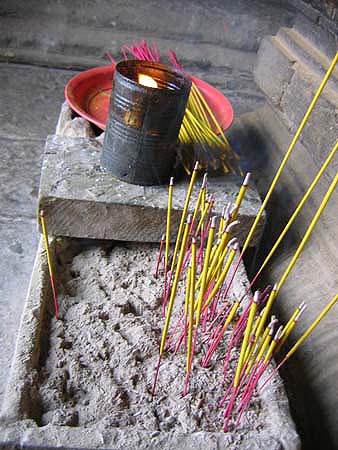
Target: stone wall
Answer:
[[290, 66]]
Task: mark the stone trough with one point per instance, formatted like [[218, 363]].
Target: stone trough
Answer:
[[84, 381]]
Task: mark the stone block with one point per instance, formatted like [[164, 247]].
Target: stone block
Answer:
[[80, 199]]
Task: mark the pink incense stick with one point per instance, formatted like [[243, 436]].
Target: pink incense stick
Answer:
[[156, 375], [171, 336], [227, 358], [159, 256], [124, 53], [229, 408], [227, 392], [273, 374], [166, 294], [111, 59], [191, 363], [155, 52]]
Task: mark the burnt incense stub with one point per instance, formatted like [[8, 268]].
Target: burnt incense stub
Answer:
[[146, 111]]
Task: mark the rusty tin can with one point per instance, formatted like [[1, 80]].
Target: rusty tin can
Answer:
[[144, 122]]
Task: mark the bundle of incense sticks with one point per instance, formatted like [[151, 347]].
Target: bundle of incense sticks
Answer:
[[203, 258], [201, 135]]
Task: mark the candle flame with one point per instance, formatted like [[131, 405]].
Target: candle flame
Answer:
[[146, 80]]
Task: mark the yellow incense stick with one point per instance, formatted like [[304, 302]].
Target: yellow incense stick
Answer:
[[49, 261], [167, 235], [214, 250], [289, 151], [206, 208], [240, 196], [184, 214], [217, 261], [312, 327], [299, 207], [191, 303], [258, 352], [261, 348], [187, 292], [199, 199], [224, 273], [268, 331], [265, 344], [204, 194], [292, 318], [253, 309], [221, 223], [175, 284], [273, 344], [308, 232], [205, 270], [266, 312], [289, 327], [252, 339], [231, 315]]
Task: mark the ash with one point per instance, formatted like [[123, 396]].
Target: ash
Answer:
[[103, 352]]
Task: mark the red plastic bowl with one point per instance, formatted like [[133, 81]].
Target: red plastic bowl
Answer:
[[88, 93]]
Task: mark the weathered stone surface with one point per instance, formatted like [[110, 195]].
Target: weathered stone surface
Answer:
[[30, 100], [94, 26], [18, 427], [69, 126], [290, 67], [274, 69], [320, 133], [81, 199]]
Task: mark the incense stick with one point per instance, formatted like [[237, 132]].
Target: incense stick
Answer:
[[168, 227], [184, 214], [297, 210], [253, 309], [305, 335], [308, 232], [159, 256], [175, 284], [49, 261], [191, 304]]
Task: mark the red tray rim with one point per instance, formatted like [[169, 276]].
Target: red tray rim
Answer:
[[106, 72]]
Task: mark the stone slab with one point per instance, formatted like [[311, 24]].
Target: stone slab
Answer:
[[18, 427], [80, 199]]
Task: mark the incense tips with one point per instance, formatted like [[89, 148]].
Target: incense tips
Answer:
[[247, 179]]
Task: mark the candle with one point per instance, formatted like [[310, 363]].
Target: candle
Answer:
[[146, 80]]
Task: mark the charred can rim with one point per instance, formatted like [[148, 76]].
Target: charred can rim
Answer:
[[171, 82]]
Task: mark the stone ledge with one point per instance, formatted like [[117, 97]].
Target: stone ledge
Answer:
[[80, 199]]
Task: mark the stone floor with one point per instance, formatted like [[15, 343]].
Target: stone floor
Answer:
[[217, 40]]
